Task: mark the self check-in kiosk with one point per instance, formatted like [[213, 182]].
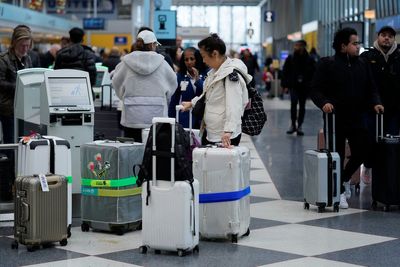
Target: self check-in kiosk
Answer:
[[27, 101], [67, 111], [106, 98]]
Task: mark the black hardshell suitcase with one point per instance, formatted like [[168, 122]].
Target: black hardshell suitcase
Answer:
[[386, 170]]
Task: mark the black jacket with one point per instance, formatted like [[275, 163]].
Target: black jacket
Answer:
[[9, 65], [78, 57], [111, 62], [347, 84], [386, 76], [298, 71]]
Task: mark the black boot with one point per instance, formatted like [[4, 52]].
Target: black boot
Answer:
[[300, 131], [291, 130]]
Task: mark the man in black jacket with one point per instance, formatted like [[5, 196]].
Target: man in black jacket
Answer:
[[344, 84], [384, 59], [297, 73], [77, 56]]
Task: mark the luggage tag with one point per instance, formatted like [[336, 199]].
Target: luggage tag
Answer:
[[43, 183], [184, 85]]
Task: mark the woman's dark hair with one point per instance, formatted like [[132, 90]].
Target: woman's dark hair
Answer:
[[139, 45], [199, 65], [211, 43], [342, 36]]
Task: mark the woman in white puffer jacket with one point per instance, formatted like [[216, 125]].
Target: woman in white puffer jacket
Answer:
[[145, 83]]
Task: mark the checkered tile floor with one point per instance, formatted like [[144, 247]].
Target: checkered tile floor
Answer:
[[282, 234]]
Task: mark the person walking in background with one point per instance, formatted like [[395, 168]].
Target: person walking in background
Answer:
[[251, 63], [314, 55], [225, 94], [191, 75], [47, 59], [145, 83], [344, 84], [77, 56], [384, 59], [297, 73]]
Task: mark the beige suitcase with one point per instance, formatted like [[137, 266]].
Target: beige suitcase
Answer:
[[40, 217]]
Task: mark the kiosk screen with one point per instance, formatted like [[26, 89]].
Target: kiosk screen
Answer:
[[99, 78], [68, 91]]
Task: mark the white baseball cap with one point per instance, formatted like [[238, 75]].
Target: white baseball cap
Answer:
[[148, 37]]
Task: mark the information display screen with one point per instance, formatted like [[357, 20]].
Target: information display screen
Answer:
[[99, 78], [68, 91]]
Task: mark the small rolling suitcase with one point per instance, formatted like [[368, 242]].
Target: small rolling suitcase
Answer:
[[321, 174], [40, 216], [6, 177], [170, 208], [47, 154], [386, 170], [224, 175], [110, 195]]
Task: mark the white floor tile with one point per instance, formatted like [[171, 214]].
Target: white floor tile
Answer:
[[85, 262], [308, 240], [265, 190], [290, 211], [310, 262], [260, 175], [95, 243], [257, 163]]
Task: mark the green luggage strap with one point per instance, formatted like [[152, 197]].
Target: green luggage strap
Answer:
[[109, 183], [89, 191], [69, 179]]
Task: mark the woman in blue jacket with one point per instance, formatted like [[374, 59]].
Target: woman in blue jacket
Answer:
[[191, 75]]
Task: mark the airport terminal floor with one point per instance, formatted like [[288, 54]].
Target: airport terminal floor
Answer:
[[283, 233]]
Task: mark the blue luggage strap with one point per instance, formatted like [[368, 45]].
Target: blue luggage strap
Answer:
[[224, 196]]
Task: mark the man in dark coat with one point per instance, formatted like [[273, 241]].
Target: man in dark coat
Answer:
[[77, 56], [344, 84], [384, 59], [297, 74]]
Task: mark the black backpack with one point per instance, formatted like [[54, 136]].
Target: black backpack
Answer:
[[183, 164]]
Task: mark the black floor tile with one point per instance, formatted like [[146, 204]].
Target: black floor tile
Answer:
[[256, 223], [259, 199]]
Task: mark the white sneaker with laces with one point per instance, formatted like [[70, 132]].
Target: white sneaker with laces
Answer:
[[347, 190], [366, 175], [343, 202]]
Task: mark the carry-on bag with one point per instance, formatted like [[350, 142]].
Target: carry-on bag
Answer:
[[40, 211], [386, 169], [321, 173], [7, 177], [110, 195], [224, 175], [47, 155], [170, 208]]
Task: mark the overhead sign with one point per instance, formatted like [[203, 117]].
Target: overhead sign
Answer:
[[269, 16], [165, 24], [120, 40], [93, 23]]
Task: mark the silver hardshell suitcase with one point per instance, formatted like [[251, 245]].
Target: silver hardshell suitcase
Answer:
[[224, 175], [321, 175], [40, 216], [170, 208]]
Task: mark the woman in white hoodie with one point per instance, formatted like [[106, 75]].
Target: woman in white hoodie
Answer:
[[225, 92], [145, 83]]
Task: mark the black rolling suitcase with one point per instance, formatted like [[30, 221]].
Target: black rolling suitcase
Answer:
[[7, 177], [386, 170]]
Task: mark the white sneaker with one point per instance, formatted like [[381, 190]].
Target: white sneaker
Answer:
[[347, 190], [343, 202], [366, 175]]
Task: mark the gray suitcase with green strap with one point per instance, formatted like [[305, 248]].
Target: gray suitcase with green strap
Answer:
[[111, 200]]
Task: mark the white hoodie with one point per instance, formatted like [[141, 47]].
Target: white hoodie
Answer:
[[145, 83]]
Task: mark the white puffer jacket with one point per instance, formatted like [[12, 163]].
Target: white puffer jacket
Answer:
[[225, 100], [145, 83]]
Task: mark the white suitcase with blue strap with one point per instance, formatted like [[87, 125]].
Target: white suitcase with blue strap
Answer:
[[224, 175]]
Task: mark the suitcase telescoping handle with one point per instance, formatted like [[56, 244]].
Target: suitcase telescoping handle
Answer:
[[179, 108], [379, 126], [327, 132], [155, 121]]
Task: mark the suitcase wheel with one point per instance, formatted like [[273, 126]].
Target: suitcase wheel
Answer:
[[247, 232], [14, 244], [374, 205], [196, 249], [139, 226], [119, 231], [143, 249], [157, 251], [69, 231], [321, 209], [32, 248], [63, 242], [85, 227], [386, 208], [336, 207], [234, 238], [306, 206], [181, 252]]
